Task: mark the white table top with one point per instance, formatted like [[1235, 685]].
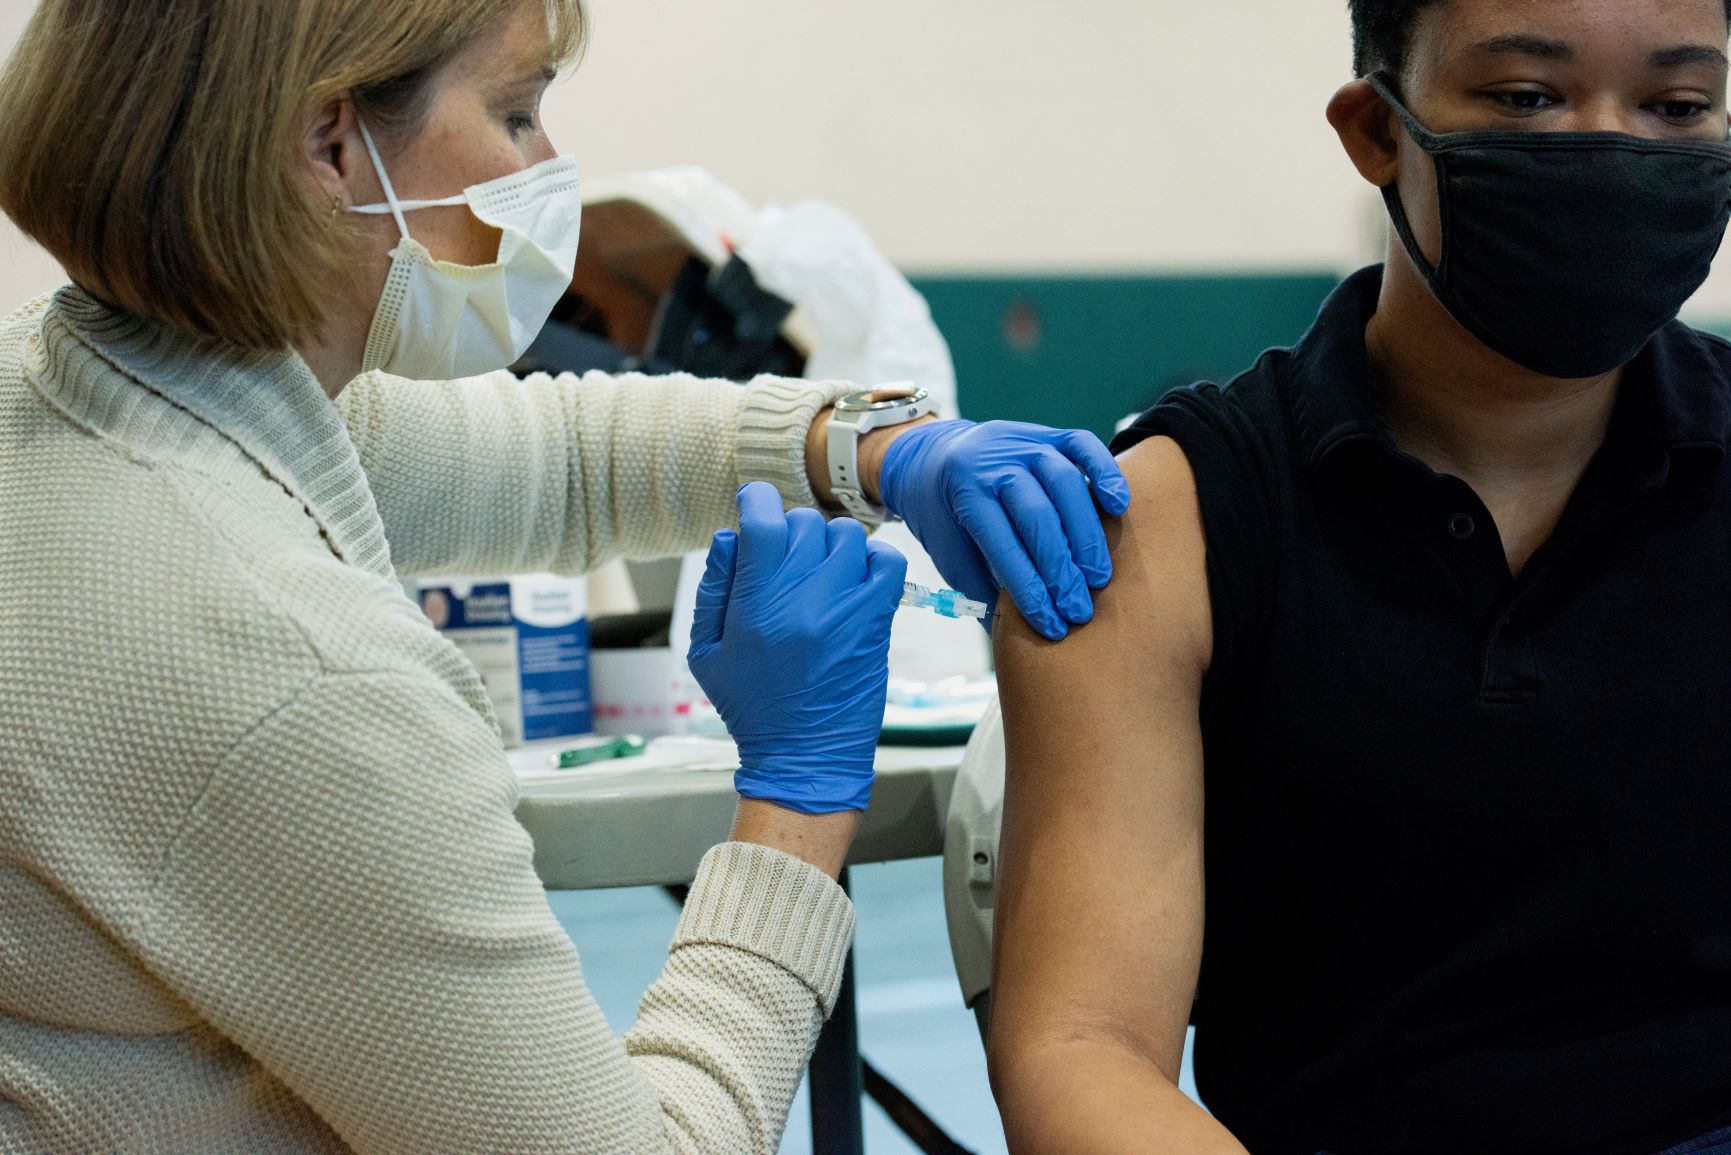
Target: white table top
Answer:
[[649, 820]]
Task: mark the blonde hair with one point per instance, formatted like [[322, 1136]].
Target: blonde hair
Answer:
[[154, 146]]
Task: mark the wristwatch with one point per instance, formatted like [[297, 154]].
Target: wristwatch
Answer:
[[853, 417]]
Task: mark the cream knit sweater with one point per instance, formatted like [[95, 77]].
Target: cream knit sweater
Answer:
[[261, 889]]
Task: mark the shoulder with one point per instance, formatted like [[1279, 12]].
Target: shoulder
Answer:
[[218, 583], [144, 650], [187, 536], [1237, 442], [1691, 369], [157, 638], [1154, 614], [1718, 347], [343, 618], [1162, 552], [1225, 456], [26, 317], [21, 333], [1243, 425], [1718, 353]]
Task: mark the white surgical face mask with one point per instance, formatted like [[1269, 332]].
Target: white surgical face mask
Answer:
[[438, 320]]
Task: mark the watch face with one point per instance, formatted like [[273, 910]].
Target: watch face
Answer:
[[885, 397]]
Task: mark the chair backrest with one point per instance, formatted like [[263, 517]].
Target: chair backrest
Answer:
[[971, 860]]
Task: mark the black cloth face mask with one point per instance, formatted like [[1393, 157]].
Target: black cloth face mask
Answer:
[[1567, 251]]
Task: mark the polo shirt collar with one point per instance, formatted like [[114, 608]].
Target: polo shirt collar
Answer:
[[1334, 404], [1328, 379]]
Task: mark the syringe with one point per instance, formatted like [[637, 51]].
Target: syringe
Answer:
[[947, 603]]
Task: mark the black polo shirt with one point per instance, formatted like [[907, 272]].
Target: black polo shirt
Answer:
[[1468, 836]]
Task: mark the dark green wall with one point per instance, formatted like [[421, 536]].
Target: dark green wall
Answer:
[[1718, 326], [1083, 352]]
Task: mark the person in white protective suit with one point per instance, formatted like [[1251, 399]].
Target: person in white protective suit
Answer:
[[655, 240]]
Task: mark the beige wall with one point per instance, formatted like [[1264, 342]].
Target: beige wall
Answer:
[[981, 134], [1006, 134], [996, 133], [974, 134]]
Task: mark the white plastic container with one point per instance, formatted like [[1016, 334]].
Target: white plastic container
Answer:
[[650, 690]]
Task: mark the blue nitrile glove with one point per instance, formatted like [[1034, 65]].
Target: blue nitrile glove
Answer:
[[791, 643], [1008, 504]]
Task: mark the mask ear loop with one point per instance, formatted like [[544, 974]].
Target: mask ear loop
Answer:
[[384, 178], [1424, 138], [382, 335], [1383, 82]]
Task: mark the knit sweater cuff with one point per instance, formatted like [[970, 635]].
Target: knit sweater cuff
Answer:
[[775, 906], [774, 419]]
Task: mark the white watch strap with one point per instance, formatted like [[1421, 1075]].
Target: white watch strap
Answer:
[[846, 427], [844, 479]]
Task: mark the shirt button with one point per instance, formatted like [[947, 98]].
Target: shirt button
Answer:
[[1462, 526]]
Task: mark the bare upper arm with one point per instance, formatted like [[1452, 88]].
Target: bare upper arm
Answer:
[[1099, 917]]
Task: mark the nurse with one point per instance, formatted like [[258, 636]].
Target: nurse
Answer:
[[260, 884]]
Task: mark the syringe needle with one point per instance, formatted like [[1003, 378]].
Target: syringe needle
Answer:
[[946, 603]]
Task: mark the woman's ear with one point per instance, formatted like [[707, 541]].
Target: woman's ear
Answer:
[[1367, 129], [333, 151]]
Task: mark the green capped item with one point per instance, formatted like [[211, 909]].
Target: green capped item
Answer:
[[599, 750]]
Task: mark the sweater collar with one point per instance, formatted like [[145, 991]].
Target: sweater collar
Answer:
[[267, 404]]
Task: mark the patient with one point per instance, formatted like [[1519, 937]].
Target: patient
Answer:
[[1398, 756]]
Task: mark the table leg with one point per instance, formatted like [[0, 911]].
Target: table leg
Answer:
[[836, 1081]]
